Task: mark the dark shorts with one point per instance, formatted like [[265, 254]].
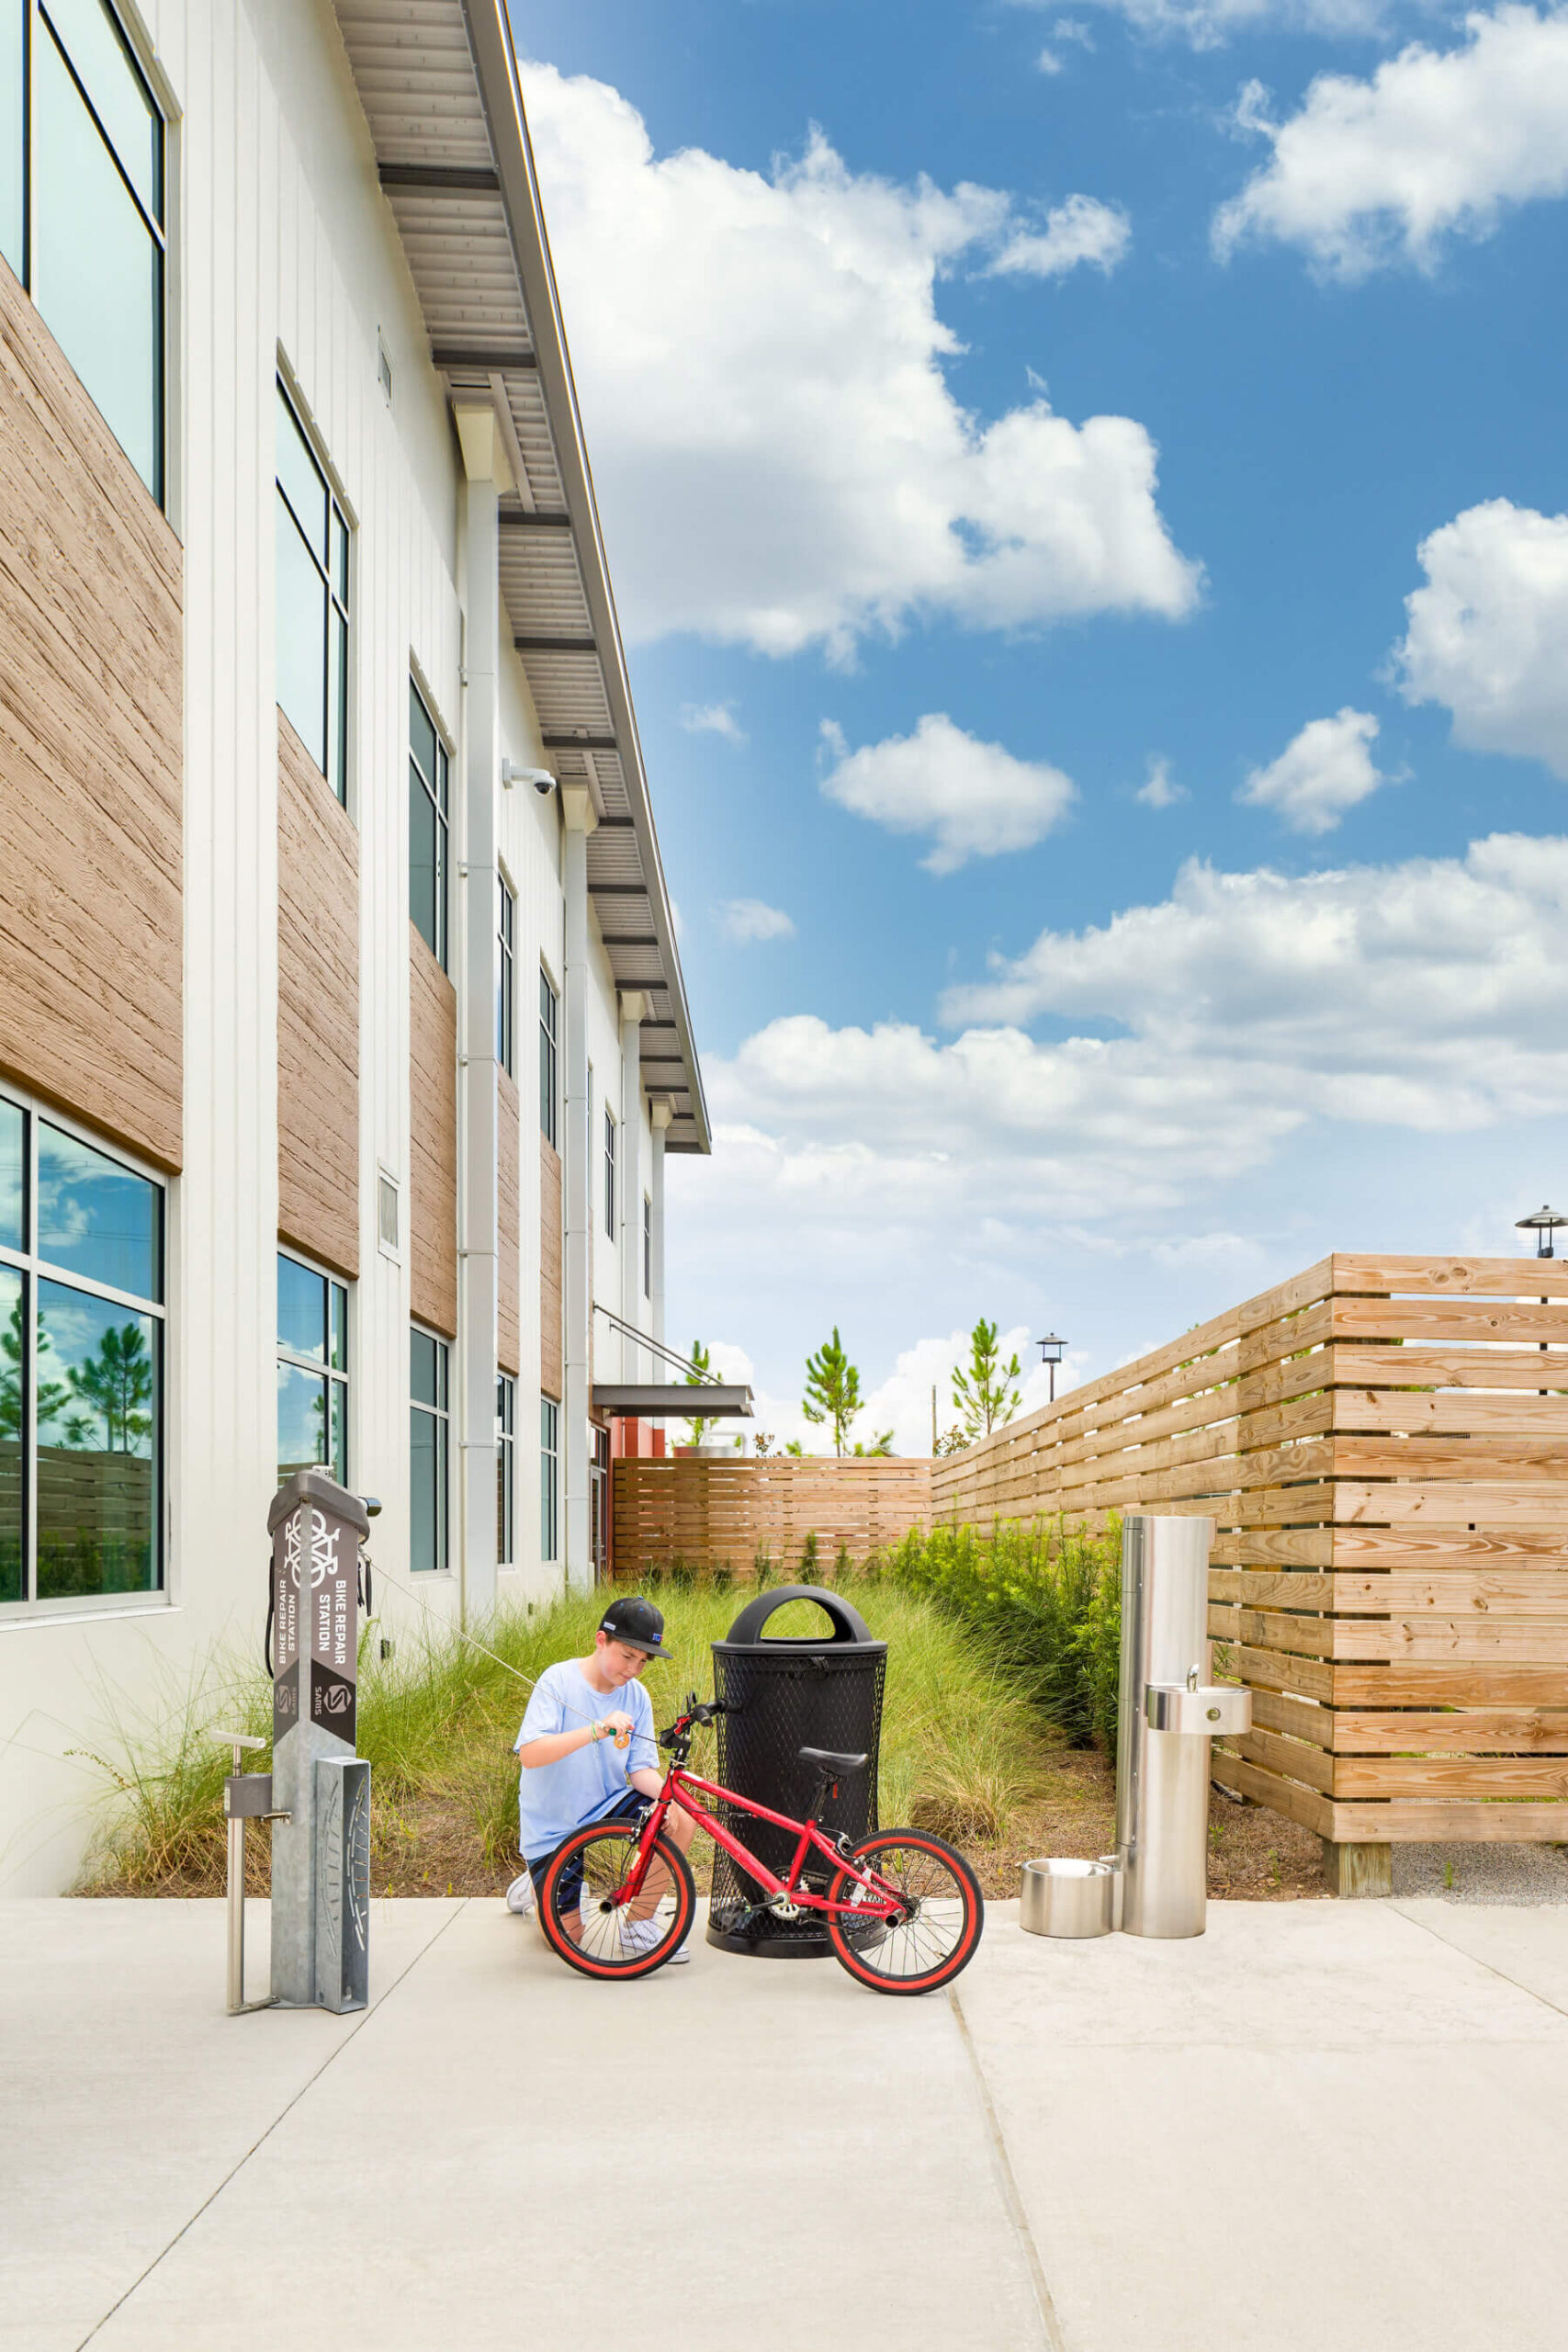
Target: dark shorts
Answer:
[[631, 1807]]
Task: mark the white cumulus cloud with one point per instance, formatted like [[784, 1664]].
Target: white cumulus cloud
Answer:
[[779, 459], [712, 718], [1321, 773], [1208, 24], [1081, 229], [1487, 636], [1436, 144], [1161, 790], [744, 920], [974, 799]]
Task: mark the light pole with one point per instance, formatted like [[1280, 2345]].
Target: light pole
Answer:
[[1543, 1225], [1052, 1351]]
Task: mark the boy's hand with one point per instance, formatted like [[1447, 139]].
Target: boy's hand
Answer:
[[623, 1724]]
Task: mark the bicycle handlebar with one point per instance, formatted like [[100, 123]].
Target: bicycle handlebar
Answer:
[[698, 1712]]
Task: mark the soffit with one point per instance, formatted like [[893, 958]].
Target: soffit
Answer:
[[439, 83]]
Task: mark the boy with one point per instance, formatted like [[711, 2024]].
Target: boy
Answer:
[[584, 1757]]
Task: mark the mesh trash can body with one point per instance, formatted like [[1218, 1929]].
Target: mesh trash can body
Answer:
[[816, 1690]]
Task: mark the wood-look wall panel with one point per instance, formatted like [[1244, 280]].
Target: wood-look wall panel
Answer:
[[552, 1341], [91, 758], [432, 1140], [317, 1012], [508, 1229]]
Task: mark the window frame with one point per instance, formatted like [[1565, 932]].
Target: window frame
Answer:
[[506, 975], [505, 1469], [549, 1059], [325, 1372], [33, 1267], [647, 1246], [441, 1414], [610, 1131], [156, 225], [337, 666], [438, 791], [550, 1481]]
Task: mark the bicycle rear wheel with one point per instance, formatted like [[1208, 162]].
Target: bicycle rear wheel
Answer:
[[939, 1927], [597, 1933]]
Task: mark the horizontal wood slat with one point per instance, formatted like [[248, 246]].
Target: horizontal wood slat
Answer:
[[713, 1514], [1382, 1444]]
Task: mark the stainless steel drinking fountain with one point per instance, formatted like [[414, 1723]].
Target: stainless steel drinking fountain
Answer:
[[1167, 1713]]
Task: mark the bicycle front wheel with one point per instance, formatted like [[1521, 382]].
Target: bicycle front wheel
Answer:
[[937, 1928], [587, 1918]]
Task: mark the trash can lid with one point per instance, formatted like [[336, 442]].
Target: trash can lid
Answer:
[[848, 1623]]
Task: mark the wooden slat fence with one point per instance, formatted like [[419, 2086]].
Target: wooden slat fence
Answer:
[[1382, 1443], [710, 1513]]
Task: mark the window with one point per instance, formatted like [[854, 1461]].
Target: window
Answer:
[[550, 1478], [82, 218], [81, 1367], [427, 1452], [313, 603], [506, 918], [505, 1470], [427, 828], [647, 1247], [547, 1069], [312, 1372], [610, 1174]]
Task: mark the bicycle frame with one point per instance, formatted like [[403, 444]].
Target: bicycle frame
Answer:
[[686, 1788]]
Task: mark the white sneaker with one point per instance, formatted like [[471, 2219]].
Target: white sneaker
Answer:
[[520, 1895], [684, 1952]]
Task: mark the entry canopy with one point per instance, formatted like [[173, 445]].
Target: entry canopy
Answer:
[[673, 1400]]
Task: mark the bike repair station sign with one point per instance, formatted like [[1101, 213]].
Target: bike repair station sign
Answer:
[[315, 1574]]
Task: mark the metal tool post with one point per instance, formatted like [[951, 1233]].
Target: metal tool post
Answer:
[[247, 1796]]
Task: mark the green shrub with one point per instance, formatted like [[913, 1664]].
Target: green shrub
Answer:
[[1045, 1601]]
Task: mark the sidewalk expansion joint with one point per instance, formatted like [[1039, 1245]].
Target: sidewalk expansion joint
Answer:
[[1007, 2183], [373, 2009], [1490, 1965]]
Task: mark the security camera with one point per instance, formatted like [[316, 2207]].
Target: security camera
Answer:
[[541, 779]]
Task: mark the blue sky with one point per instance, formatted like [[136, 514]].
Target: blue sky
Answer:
[[884, 329]]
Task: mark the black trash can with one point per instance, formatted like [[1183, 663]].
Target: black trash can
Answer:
[[812, 1691]]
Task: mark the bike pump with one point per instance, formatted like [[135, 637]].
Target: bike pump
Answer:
[[321, 1845]]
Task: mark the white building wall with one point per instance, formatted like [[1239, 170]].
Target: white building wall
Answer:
[[283, 246]]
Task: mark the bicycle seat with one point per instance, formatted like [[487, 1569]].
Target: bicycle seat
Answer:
[[826, 1761]]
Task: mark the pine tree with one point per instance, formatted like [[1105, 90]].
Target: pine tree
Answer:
[[832, 1389], [697, 1373], [983, 1391]]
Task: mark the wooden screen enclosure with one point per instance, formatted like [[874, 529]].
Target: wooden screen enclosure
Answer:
[[1382, 1443]]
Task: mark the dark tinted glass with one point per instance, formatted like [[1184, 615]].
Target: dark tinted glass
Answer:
[[97, 271], [301, 652], [119, 97], [426, 1365], [300, 478], [424, 870], [427, 1491], [421, 737], [337, 707], [13, 1167], [96, 1218], [97, 1415], [302, 1310], [12, 127], [337, 1351], [13, 1355]]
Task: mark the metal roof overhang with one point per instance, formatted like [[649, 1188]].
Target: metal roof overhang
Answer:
[[670, 1399], [439, 85]]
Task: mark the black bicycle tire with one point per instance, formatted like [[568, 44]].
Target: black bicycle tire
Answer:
[[628, 1971], [934, 1980]]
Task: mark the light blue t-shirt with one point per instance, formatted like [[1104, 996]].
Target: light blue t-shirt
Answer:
[[555, 1799]]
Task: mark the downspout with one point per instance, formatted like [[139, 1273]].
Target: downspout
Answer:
[[487, 473], [633, 1006], [577, 1161]]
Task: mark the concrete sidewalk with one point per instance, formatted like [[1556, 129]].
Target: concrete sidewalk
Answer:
[[1320, 2128]]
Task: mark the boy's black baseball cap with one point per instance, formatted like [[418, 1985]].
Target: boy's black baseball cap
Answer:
[[637, 1622]]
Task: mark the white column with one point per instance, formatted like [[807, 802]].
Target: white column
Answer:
[[478, 975], [659, 1113], [633, 1005], [577, 1173]]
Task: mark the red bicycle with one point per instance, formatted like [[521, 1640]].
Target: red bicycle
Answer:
[[902, 1910]]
